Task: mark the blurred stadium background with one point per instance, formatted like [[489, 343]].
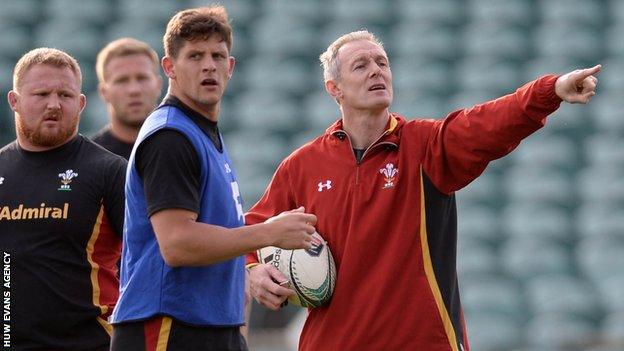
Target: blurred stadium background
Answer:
[[541, 232]]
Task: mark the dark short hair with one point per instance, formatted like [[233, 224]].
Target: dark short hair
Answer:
[[197, 24]]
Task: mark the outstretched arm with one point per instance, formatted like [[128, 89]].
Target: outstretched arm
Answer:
[[460, 147]]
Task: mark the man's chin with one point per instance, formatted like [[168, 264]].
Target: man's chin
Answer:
[[210, 101], [210, 97], [50, 138], [134, 121], [380, 105], [135, 124]]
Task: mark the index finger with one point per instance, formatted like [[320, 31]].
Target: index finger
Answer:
[[299, 209], [281, 289], [589, 71]]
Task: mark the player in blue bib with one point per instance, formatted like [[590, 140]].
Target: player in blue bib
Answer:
[[182, 270]]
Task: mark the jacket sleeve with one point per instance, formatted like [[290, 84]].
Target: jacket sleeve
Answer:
[[460, 146], [277, 198]]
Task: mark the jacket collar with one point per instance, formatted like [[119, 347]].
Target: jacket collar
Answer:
[[391, 135]]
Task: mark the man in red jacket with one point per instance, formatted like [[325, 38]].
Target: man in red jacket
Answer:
[[383, 189]]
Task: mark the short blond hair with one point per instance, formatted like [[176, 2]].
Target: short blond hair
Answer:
[[45, 56], [120, 48], [197, 24], [329, 59]]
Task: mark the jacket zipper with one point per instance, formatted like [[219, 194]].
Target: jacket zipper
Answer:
[[370, 147]]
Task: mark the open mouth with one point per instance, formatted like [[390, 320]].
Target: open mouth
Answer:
[[209, 82], [377, 87]]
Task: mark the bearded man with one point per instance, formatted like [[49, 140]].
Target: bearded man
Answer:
[[61, 214]]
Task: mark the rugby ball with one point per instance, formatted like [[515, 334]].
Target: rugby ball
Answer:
[[311, 273]]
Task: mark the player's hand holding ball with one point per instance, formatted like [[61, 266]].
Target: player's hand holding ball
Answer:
[[305, 276], [292, 229], [269, 286]]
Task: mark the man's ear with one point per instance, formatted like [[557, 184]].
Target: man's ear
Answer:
[[333, 89], [83, 102], [168, 68], [232, 63], [13, 99], [103, 91]]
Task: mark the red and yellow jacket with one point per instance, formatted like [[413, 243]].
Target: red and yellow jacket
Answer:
[[390, 220]]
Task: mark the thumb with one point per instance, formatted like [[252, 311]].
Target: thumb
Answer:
[[587, 96]]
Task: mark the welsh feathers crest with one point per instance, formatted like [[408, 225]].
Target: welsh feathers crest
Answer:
[[389, 173], [66, 179]]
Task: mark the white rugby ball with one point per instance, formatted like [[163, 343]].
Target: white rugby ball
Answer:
[[311, 272]]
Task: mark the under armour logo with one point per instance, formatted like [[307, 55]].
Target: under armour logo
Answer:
[[1, 180], [322, 186], [227, 168]]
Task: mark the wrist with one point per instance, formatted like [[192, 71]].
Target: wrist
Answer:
[[266, 235], [250, 266], [558, 89]]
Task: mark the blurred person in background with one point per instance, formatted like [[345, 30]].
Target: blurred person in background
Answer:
[[382, 188], [129, 84], [182, 271], [61, 213]]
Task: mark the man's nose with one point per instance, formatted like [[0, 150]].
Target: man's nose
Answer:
[[134, 86], [209, 65], [53, 102], [376, 70]]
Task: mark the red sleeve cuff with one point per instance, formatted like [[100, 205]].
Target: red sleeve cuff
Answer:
[[251, 260], [546, 92], [538, 98]]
